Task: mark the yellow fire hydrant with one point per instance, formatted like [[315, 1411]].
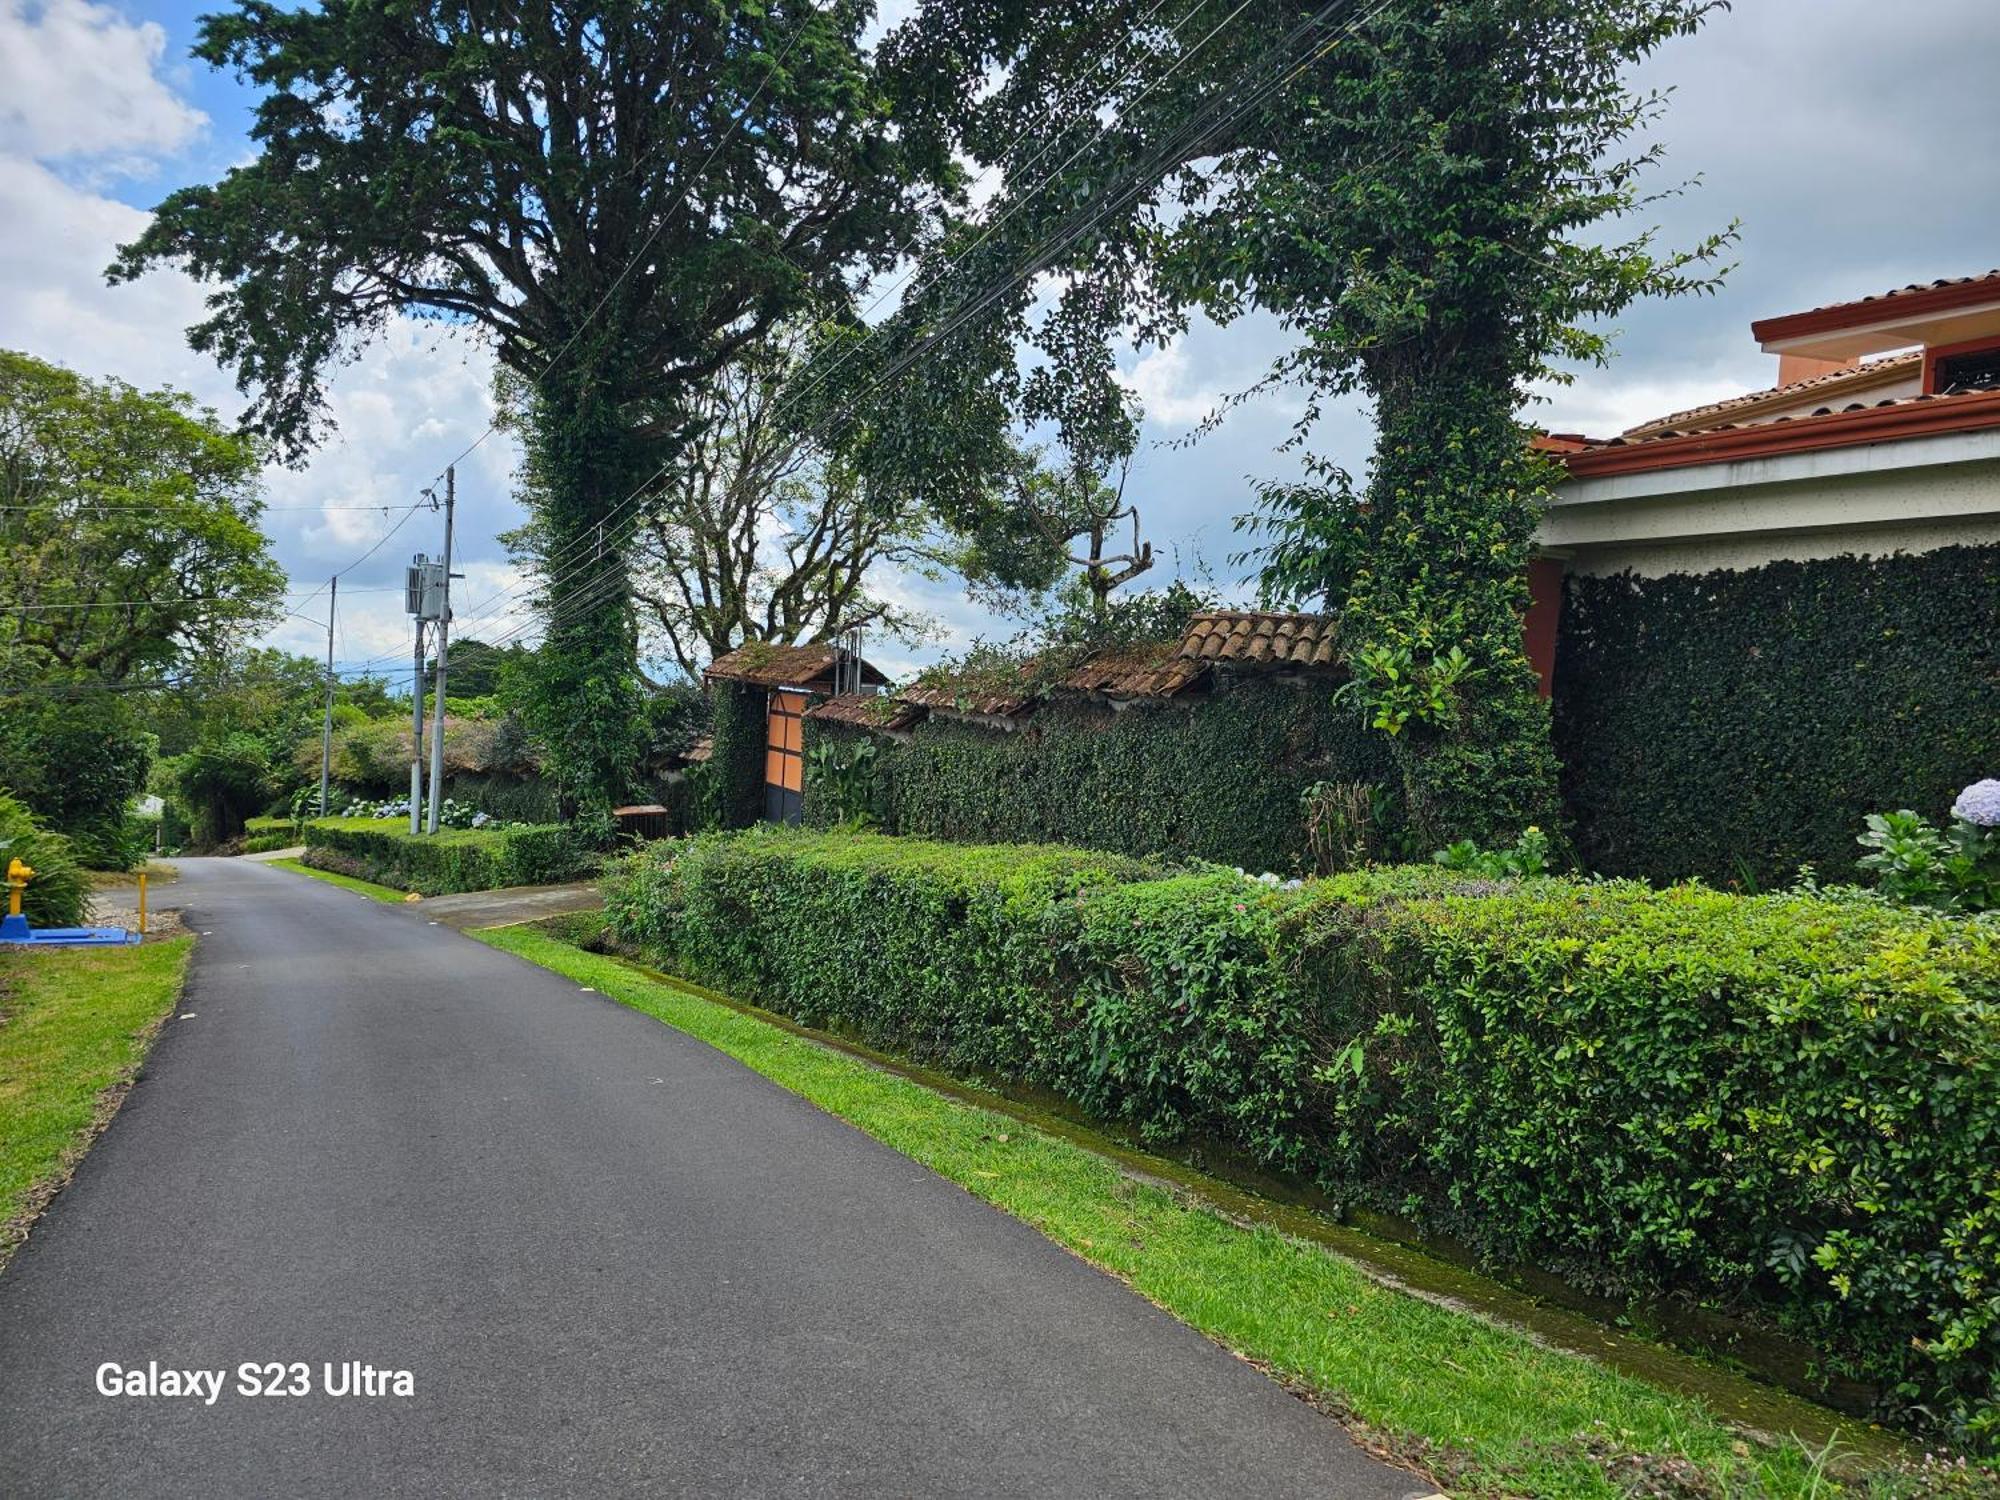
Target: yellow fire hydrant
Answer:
[[18, 876], [14, 926]]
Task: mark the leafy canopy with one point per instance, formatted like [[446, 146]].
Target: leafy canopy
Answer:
[[129, 536]]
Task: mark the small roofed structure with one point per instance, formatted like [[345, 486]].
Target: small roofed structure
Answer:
[[792, 679], [812, 667], [1216, 641]]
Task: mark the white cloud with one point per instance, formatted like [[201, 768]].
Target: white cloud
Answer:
[[1163, 380], [412, 401], [79, 81]]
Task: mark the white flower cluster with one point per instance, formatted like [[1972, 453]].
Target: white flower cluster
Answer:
[[1275, 882], [1979, 804]]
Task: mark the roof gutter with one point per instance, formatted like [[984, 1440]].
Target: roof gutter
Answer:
[[1918, 418]]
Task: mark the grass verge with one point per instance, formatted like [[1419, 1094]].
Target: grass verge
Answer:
[[74, 1025], [366, 888], [1482, 1408]]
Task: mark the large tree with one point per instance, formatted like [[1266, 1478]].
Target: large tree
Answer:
[[620, 198], [1421, 192], [771, 525], [129, 536], [130, 552]]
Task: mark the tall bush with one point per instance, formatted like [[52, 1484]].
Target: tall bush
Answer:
[[59, 894]]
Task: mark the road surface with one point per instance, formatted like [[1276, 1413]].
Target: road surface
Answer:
[[611, 1260]]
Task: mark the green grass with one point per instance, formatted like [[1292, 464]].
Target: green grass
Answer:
[[1483, 1407], [347, 882], [76, 1023]]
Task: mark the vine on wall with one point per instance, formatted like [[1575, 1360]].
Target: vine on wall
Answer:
[[1220, 778], [1735, 725]]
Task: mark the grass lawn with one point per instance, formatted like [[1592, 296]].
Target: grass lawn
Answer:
[[1482, 1407], [74, 1024], [348, 882]]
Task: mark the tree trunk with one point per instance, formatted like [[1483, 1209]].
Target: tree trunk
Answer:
[[1453, 501], [586, 708]]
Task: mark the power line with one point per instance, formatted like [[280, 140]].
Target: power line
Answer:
[[7, 608], [154, 505]]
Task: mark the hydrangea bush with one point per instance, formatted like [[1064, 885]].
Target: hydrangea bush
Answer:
[[1951, 869]]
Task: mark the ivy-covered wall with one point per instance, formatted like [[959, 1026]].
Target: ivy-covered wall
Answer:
[[1734, 725], [1218, 778], [730, 787]]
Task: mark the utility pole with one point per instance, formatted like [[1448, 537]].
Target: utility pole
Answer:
[[443, 644], [326, 728], [417, 736]]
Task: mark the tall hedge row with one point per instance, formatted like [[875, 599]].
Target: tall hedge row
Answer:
[[1788, 1105], [1740, 724], [450, 860], [1219, 778]]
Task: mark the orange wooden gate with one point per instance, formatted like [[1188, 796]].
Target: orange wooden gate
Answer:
[[784, 759]]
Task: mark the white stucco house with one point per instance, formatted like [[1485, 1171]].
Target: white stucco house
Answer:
[[1881, 435]]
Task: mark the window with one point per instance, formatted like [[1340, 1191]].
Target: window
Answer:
[[784, 764], [1974, 370]]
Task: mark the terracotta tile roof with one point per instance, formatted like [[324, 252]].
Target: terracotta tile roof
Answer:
[[700, 751], [1858, 422], [763, 664], [1157, 671], [1949, 289], [868, 711], [969, 698], [1261, 638], [1695, 417]]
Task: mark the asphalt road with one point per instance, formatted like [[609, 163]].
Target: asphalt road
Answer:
[[612, 1260]]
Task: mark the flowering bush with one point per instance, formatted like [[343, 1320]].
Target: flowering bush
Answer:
[[1954, 869], [451, 812], [1979, 804]]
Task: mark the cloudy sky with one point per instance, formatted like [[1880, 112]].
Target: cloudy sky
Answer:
[[1854, 140]]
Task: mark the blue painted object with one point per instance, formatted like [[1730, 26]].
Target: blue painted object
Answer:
[[15, 929]]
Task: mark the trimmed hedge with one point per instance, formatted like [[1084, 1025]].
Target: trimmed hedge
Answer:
[[1787, 1105], [1740, 724], [450, 860], [1217, 779]]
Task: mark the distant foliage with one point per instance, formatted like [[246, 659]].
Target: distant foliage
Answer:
[[1736, 725], [1786, 1105], [77, 760]]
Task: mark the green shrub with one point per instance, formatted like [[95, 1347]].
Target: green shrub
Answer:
[[450, 860], [1218, 779], [59, 894], [1786, 1105], [1913, 861], [1735, 725]]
